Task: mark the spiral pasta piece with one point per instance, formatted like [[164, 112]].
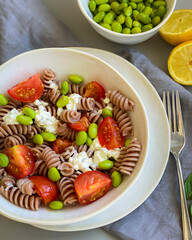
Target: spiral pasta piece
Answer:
[[66, 132], [41, 168], [53, 96], [85, 148], [66, 187], [48, 77], [37, 150], [99, 105], [29, 144], [26, 186], [52, 110], [95, 117], [123, 121], [5, 109], [2, 144], [8, 130], [34, 130], [2, 172], [120, 100], [8, 181], [67, 153], [75, 88], [50, 157], [14, 195], [75, 175], [86, 104], [66, 169], [13, 140], [128, 157], [70, 116]]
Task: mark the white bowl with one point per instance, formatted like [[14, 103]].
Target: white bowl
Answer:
[[128, 39], [63, 62]]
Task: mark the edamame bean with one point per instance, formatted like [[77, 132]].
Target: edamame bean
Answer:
[[38, 139], [63, 101], [53, 174], [147, 10], [127, 142], [136, 30], [147, 4], [89, 141], [144, 18], [115, 7], [149, 1], [140, 6], [107, 113], [92, 131], [128, 22], [152, 15], [126, 30], [156, 20], [135, 14], [4, 160], [122, 6], [29, 112], [81, 138], [99, 2], [48, 137], [136, 1], [128, 11], [160, 11], [108, 19], [116, 27], [56, 205], [3, 100], [104, 7], [106, 25], [24, 120], [146, 27], [75, 79], [114, 14], [64, 87], [121, 19], [124, 1], [92, 5], [99, 17], [133, 5], [116, 179], [136, 24], [157, 4], [106, 165]]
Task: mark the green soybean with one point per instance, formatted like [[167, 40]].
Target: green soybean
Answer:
[[135, 14], [116, 179], [115, 7], [4, 160], [104, 7], [75, 79], [122, 5], [128, 22], [133, 5], [114, 14], [99, 2], [48, 137], [121, 19], [106, 25], [53, 174], [146, 27], [140, 6], [106, 165], [149, 1], [89, 141], [92, 5], [29, 112], [136, 1], [38, 139], [107, 113], [81, 138], [136, 30], [127, 142], [99, 17], [124, 1], [128, 11], [147, 10], [92, 131], [156, 20], [160, 11], [63, 101], [108, 19], [116, 27], [144, 18], [136, 24], [3, 100], [157, 4], [56, 205], [24, 120], [126, 30], [64, 87]]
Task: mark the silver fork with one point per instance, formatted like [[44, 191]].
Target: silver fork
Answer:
[[177, 144]]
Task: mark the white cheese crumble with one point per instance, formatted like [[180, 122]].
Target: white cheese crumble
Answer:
[[53, 85], [59, 111], [82, 162], [44, 119], [106, 100], [73, 101], [95, 145], [10, 117], [109, 105]]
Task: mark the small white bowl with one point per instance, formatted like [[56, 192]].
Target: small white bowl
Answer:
[[64, 62], [128, 39]]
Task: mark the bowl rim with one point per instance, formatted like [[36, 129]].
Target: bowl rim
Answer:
[[147, 137], [115, 34]]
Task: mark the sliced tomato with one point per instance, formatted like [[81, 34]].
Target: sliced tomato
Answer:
[[94, 90], [28, 90], [45, 188], [109, 134], [60, 144], [91, 185], [81, 125], [21, 161]]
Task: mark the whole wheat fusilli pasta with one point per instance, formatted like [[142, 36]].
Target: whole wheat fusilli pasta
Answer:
[[26, 186], [13, 140], [70, 116], [8, 130], [5, 109], [50, 157], [48, 77], [66, 132], [41, 168], [86, 104], [66, 169]]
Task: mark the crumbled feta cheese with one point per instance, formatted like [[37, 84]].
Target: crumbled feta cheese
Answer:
[[53, 85], [100, 156], [40, 103], [10, 117], [59, 110], [82, 162], [95, 145], [109, 106], [106, 100], [73, 101]]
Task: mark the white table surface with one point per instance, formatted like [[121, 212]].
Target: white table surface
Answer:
[[155, 49]]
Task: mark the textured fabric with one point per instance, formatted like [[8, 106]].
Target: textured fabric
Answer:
[[27, 25]]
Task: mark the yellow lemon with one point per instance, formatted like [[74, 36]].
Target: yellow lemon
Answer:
[[178, 28], [180, 63]]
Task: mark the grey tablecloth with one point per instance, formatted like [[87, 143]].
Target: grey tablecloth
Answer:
[[27, 25]]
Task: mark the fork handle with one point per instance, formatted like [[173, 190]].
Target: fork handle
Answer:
[[187, 235]]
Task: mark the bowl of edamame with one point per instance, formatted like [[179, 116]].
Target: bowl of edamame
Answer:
[[127, 21]]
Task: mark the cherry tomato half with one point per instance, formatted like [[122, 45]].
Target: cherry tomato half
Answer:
[[60, 144], [94, 90], [109, 134], [91, 185], [21, 161], [45, 188], [28, 90], [81, 125]]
